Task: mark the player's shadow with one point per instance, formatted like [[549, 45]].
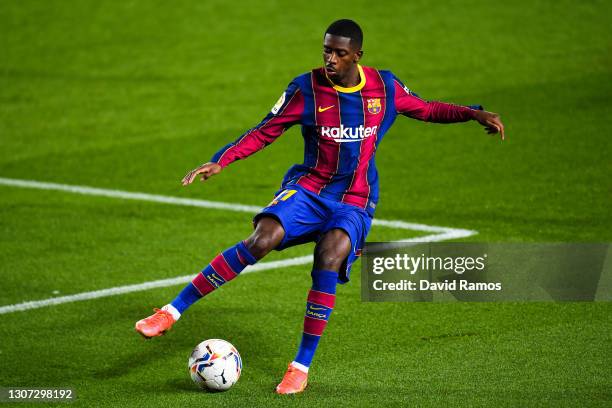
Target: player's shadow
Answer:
[[129, 353], [120, 367], [178, 344], [183, 385]]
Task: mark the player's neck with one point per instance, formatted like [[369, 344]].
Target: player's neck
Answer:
[[350, 80]]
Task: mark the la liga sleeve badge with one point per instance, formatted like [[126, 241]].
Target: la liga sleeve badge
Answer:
[[279, 104]]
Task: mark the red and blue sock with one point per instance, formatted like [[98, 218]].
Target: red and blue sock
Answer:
[[225, 267], [319, 305]]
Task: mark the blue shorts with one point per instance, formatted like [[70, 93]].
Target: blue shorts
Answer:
[[305, 217]]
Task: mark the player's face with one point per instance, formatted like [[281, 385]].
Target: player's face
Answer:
[[339, 56]]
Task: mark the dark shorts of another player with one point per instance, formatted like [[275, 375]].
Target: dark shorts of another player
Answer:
[[306, 217]]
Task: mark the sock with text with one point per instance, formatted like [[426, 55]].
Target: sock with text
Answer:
[[224, 267], [319, 305]]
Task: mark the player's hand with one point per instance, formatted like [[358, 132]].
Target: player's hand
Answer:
[[205, 171], [491, 122]]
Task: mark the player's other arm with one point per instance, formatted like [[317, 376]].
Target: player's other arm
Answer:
[[286, 112], [409, 104]]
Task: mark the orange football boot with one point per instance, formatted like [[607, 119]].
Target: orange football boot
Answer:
[[294, 381], [156, 324]]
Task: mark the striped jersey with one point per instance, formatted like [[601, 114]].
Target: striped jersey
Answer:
[[342, 128]]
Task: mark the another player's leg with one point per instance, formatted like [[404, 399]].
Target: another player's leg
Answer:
[[330, 253], [223, 268]]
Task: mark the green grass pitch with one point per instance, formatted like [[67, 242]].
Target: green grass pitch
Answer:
[[131, 95]]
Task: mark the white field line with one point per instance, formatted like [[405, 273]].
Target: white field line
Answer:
[[440, 234], [162, 283]]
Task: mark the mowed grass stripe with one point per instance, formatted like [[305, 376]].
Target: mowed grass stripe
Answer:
[[220, 205]]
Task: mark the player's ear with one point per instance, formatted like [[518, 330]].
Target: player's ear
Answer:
[[358, 56]]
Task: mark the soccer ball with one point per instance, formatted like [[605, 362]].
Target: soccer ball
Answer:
[[215, 365]]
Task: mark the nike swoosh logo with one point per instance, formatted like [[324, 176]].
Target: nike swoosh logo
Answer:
[[326, 108]]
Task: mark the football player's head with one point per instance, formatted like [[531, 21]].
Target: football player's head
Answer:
[[342, 48]]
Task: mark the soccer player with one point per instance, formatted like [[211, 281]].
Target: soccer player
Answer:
[[344, 109]]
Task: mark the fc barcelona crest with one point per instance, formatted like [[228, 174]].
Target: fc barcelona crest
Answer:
[[374, 106]]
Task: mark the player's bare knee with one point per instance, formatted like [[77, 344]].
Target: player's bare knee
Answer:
[[331, 251], [328, 263], [259, 245], [328, 258], [267, 236]]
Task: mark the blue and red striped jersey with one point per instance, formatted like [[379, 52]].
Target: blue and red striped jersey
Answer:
[[342, 128]]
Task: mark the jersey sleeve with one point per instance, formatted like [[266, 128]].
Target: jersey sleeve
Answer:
[[410, 104], [286, 113]]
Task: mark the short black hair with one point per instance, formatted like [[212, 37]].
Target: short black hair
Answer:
[[347, 28]]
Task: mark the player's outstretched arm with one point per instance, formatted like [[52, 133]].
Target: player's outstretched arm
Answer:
[[206, 171], [410, 104], [491, 122], [286, 112]]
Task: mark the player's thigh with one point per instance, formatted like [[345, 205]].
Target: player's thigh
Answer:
[[299, 212]]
